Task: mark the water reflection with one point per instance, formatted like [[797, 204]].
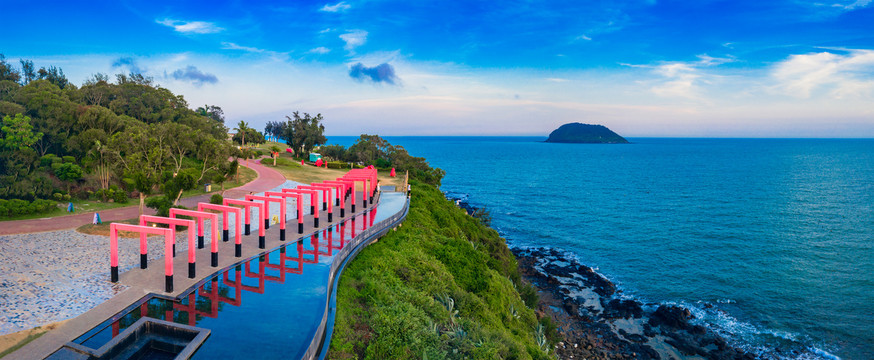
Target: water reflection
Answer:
[[303, 295]]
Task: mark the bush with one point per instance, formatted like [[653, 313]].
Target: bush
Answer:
[[338, 165], [281, 161], [15, 207], [119, 196], [161, 204], [216, 199]]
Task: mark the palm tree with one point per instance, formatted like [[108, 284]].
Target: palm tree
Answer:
[[242, 128]]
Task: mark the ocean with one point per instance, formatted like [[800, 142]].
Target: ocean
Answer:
[[769, 241]]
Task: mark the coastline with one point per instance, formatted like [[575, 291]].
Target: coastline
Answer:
[[596, 321]]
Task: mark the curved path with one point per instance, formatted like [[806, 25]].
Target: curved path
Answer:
[[266, 180]]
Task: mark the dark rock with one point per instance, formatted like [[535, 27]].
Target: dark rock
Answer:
[[622, 309], [671, 316]]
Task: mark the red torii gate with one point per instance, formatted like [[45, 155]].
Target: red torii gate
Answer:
[[314, 198], [372, 175], [326, 195], [363, 181], [348, 186], [238, 251], [299, 199], [169, 234], [146, 219], [267, 200], [339, 191], [247, 213], [201, 216]]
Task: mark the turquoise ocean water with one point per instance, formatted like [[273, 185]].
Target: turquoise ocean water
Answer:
[[776, 234]]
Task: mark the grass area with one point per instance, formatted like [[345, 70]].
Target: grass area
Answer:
[[80, 206], [9, 343], [442, 286], [246, 175]]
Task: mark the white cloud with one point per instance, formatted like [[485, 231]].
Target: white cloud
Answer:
[[852, 6], [839, 75], [233, 46], [558, 80], [320, 50], [683, 79], [326, 30], [190, 27], [354, 38], [583, 37], [340, 6]]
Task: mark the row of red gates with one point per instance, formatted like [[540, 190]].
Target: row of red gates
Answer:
[[343, 188]]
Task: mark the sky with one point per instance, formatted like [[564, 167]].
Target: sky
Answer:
[[738, 68]]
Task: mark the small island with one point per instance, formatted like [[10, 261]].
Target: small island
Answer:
[[578, 133]]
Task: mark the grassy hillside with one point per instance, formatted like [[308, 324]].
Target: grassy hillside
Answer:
[[442, 286]]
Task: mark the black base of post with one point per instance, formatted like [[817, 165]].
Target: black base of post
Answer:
[[214, 261], [225, 235], [364, 204], [353, 208], [281, 234], [144, 261], [238, 250], [330, 217], [113, 273], [248, 229], [191, 270], [342, 213], [312, 209], [262, 242], [371, 199], [324, 205], [168, 283], [316, 222], [266, 223], [174, 250], [300, 228], [200, 242], [336, 202]]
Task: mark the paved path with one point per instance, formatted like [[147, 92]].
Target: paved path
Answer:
[[267, 179]]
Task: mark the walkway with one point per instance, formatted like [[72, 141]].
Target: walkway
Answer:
[[267, 179], [142, 282]]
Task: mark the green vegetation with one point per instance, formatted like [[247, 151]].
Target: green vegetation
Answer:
[[442, 286], [374, 150], [132, 137], [302, 134]]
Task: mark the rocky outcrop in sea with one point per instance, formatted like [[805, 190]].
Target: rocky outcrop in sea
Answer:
[[597, 323]]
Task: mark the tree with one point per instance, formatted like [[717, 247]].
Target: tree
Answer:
[[176, 183], [304, 133], [142, 154], [18, 133], [274, 152], [213, 112], [27, 70], [69, 172], [7, 72], [242, 128], [54, 75]]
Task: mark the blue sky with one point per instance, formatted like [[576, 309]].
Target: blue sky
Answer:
[[643, 68]]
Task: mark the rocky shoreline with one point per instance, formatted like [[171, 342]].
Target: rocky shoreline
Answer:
[[598, 324]]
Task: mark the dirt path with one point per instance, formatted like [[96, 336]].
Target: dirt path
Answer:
[[267, 179]]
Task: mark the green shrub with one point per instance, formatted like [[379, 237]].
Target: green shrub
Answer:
[[15, 207], [216, 199], [338, 165], [161, 204], [69, 159], [119, 196]]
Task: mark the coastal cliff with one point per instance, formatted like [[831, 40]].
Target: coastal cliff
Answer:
[[585, 134], [444, 285]]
